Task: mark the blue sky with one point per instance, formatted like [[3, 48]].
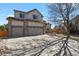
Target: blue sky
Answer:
[[6, 9]]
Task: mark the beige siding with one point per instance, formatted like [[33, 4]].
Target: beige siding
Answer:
[[17, 15], [17, 23], [35, 24], [34, 13], [28, 16]]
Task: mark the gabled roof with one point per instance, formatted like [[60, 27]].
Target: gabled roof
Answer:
[[29, 11]]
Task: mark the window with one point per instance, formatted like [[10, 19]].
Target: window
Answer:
[[35, 17], [22, 15]]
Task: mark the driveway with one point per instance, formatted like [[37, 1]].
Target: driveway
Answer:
[[44, 45]]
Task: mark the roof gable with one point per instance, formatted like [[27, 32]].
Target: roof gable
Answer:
[[36, 11], [29, 11]]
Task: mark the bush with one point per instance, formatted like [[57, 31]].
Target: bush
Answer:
[[3, 30], [3, 33], [58, 31], [4, 27]]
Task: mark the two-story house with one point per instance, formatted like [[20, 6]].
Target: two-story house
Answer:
[[26, 23]]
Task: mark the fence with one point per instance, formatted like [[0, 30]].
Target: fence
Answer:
[[3, 34]]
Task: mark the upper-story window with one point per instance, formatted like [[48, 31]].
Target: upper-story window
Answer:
[[35, 17], [22, 15]]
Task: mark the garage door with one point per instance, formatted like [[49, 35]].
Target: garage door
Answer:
[[35, 31], [17, 31]]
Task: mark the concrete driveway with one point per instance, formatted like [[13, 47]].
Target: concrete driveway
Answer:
[[36, 45]]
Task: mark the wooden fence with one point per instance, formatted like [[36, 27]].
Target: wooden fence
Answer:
[[3, 34]]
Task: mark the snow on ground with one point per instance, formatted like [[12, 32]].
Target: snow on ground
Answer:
[[43, 45]]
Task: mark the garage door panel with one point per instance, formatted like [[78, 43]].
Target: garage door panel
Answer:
[[35, 31], [17, 31]]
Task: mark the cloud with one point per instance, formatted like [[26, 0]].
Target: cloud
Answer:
[[5, 15], [10, 16]]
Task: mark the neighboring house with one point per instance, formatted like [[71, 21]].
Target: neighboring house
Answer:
[[48, 27], [75, 24], [26, 23]]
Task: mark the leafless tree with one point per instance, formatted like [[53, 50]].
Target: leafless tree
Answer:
[[64, 12]]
